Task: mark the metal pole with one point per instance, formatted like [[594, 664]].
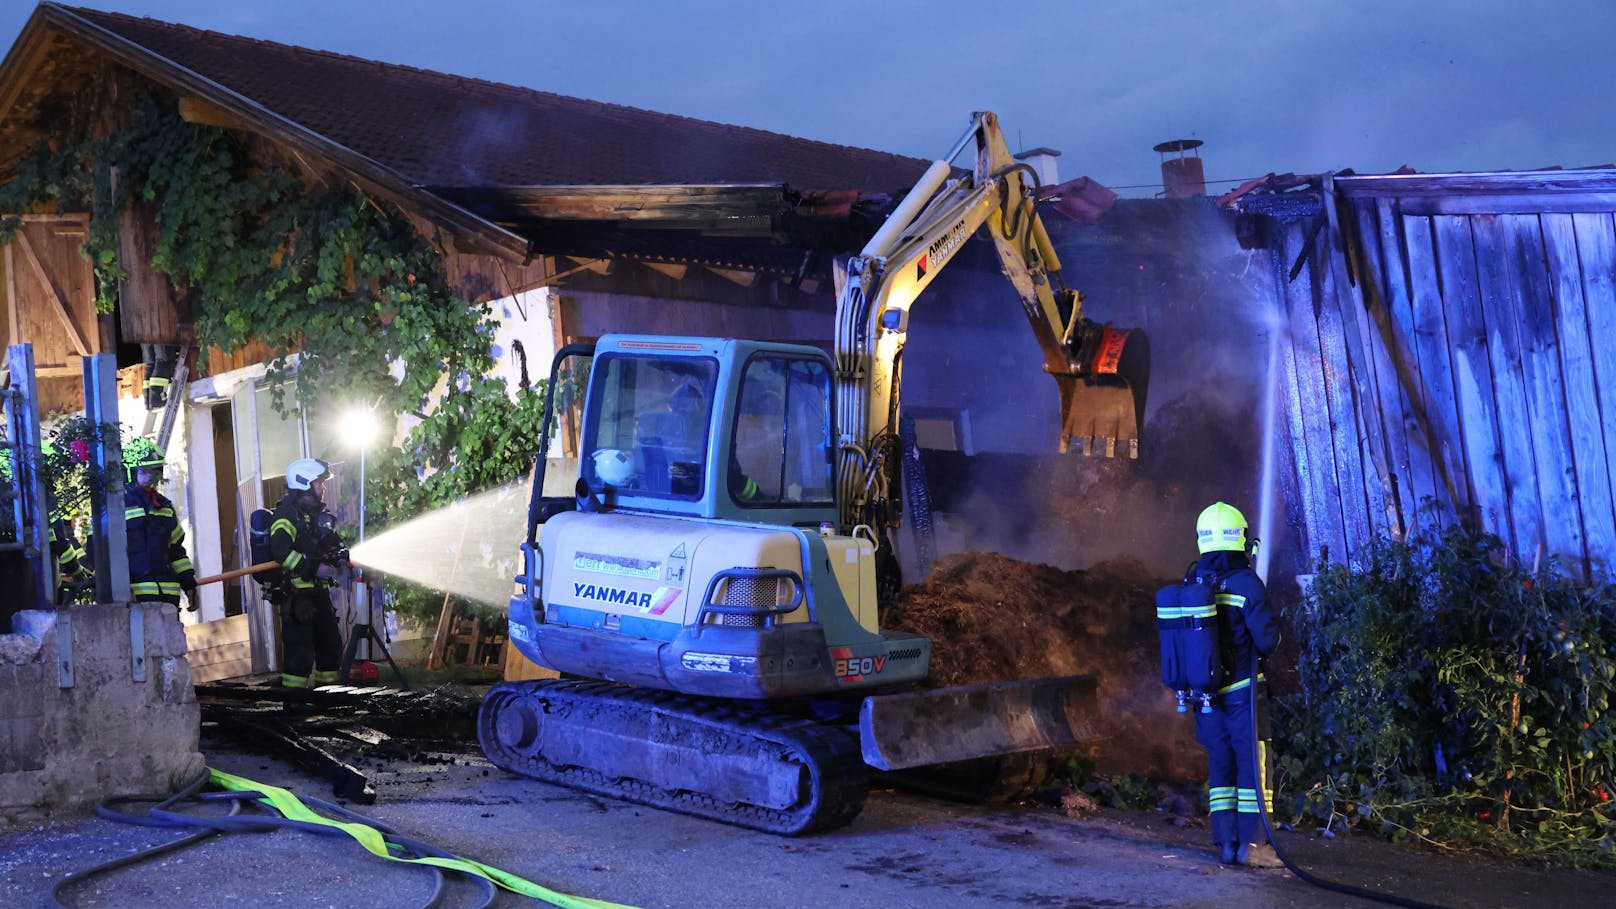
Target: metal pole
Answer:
[[362, 589], [33, 520], [109, 537]]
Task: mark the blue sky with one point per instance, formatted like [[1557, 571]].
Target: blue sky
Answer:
[[1268, 85]]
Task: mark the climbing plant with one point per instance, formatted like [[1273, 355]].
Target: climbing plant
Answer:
[[347, 293], [1447, 695]]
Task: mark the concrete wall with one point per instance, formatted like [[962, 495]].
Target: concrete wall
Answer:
[[62, 749]]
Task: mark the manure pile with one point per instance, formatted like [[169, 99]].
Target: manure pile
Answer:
[[994, 618]]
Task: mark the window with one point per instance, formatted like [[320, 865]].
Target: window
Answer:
[[782, 453], [648, 431]]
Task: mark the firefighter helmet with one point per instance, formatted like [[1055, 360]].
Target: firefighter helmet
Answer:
[[304, 472], [1221, 527], [141, 453], [614, 466]]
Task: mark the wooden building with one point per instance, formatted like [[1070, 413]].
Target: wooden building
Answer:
[[570, 217], [1448, 358]]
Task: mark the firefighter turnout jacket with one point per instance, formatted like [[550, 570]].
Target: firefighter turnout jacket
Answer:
[[1247, 626], [159, 568], [294, 541]]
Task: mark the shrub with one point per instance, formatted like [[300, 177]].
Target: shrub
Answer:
[[1448, 696]]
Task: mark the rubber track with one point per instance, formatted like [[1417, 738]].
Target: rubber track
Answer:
[[838, 778]]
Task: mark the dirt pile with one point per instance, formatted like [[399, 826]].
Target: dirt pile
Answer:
[[993, 618]]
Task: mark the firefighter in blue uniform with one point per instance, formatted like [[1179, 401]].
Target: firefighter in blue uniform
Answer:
[[302, 540], [1239, 768], [159, 569]]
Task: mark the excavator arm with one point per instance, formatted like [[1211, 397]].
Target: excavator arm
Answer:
[[1101, 372]]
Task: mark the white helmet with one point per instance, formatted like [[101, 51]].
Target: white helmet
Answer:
[[613, 465], [302, 473]]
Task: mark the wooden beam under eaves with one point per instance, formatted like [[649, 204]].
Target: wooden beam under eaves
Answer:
[[201, 112], [739, 209], [676, 272], [743, 278]]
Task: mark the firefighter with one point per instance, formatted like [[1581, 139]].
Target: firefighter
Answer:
[[71, 558], [303, 540], [159, 569], [1235, 736]]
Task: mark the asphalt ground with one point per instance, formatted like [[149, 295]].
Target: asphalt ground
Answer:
[[905, 850]]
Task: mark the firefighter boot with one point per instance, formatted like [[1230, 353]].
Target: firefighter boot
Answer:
[[1258, 855]]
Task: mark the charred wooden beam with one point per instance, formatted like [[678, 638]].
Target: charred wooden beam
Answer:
[[741, 207]]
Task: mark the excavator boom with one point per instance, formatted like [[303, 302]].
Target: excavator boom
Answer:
[[1101, 371]]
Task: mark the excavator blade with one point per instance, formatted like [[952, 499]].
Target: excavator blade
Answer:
[[916, 729]]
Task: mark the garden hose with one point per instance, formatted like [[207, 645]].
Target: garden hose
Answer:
[[1257, 749], [279, 809]]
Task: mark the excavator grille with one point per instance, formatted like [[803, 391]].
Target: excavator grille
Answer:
[[759, 592]]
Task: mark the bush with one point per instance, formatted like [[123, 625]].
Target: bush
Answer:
[[1447, 696]]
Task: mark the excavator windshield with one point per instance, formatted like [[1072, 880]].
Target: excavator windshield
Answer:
[[649, 428]]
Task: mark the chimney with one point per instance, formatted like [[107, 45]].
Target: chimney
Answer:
[[1042, 162], [1182, 177]]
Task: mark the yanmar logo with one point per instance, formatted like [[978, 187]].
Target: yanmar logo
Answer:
[[940, 249], [615, 595]]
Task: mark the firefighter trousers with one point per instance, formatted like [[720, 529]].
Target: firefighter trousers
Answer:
[[311, 642], [1238, 764]]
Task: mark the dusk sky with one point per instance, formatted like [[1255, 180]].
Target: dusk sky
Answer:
[[1268, 85]]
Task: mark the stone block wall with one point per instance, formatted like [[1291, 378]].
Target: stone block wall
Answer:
[[64, 748]]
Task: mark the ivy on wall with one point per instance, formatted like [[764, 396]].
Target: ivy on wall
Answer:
[[342, 287]]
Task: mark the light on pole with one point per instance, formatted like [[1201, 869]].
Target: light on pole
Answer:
[[360, 428], [359, 425]]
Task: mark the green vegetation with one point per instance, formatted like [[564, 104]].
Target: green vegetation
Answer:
[[343, 289], [1450, 697]]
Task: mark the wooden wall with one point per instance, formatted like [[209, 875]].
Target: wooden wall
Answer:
[[1450, 360]]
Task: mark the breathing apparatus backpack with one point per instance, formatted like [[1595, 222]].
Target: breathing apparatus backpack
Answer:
[[1187, 626], [272, 581]]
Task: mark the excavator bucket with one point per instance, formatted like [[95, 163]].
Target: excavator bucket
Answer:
[[921, 728], [1104, 408]]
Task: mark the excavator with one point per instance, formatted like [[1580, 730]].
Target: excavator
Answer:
[[711, 592]]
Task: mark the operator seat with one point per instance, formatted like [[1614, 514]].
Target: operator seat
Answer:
[[661, 440]]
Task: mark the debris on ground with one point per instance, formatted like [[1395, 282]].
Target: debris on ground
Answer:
[[994, 618]]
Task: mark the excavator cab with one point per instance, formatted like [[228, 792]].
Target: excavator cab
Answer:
[[712, 429]]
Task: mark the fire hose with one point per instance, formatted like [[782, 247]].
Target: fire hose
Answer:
[[250, 569], [280, 809]]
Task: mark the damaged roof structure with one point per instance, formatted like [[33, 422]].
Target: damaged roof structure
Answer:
[[457, 149]]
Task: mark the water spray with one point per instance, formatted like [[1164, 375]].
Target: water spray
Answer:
[[467, 548]]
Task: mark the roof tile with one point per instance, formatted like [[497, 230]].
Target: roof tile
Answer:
[[441, 129]]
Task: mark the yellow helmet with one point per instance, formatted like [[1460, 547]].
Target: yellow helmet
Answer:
[[1221, 527]]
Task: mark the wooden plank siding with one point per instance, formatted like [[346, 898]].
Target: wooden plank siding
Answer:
[[1449, 365], [1308, 415]]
